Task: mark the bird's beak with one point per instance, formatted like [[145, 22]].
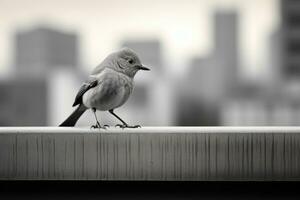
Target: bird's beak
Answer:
[[142, 67]]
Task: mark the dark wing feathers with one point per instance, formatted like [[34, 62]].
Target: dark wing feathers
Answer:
[[85, 87]]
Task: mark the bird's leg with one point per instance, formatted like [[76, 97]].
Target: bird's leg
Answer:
[[97, 125], [124, 124]]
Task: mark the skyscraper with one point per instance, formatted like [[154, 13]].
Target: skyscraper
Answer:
[[290, 11], [211, 79], [42, 49], [226, 48], [40, 54], [275, 52]]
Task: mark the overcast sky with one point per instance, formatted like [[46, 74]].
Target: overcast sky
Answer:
[[183, 26]]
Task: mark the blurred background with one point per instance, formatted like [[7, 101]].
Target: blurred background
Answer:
[[217, 62]]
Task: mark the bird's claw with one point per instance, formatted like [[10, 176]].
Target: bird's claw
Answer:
[[99, 126], [106, 126], [94, 127], [127, 126]]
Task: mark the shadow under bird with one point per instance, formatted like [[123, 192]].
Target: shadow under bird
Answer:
[[108, 87]]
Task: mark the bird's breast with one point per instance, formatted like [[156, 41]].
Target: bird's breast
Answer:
[[111, 92]]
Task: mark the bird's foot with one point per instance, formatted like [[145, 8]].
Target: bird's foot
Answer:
[[97, 125], [93, 127], [106, 126], [127, 126]]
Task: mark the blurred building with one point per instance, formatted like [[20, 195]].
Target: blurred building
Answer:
[[290, 25], [42, 49], [41, 54], [275, 77], [226, 50], [23, 102], [198, 95], [210, 79]]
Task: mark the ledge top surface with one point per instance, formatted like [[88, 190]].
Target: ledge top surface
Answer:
[[158, 129]]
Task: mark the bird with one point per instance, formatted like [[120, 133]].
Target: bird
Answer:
[[108, 87]]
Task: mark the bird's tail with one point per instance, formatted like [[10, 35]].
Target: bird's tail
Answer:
[[73, 118]]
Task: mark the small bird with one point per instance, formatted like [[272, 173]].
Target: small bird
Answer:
[[108, 87]]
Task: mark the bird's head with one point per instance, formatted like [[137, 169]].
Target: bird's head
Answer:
[[127, 61]]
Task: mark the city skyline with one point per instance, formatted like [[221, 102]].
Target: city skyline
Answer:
[[185, 30]]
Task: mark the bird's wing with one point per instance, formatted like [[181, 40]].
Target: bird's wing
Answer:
[[92, 82]]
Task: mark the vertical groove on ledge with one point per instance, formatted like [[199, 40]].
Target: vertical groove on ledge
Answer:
[[151, 156]]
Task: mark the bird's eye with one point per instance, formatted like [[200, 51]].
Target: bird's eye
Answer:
[[130, 61]]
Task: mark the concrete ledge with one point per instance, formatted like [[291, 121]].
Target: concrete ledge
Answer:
[[160, 153]]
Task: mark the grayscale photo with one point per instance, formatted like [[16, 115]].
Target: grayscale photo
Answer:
[[149, 99]]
